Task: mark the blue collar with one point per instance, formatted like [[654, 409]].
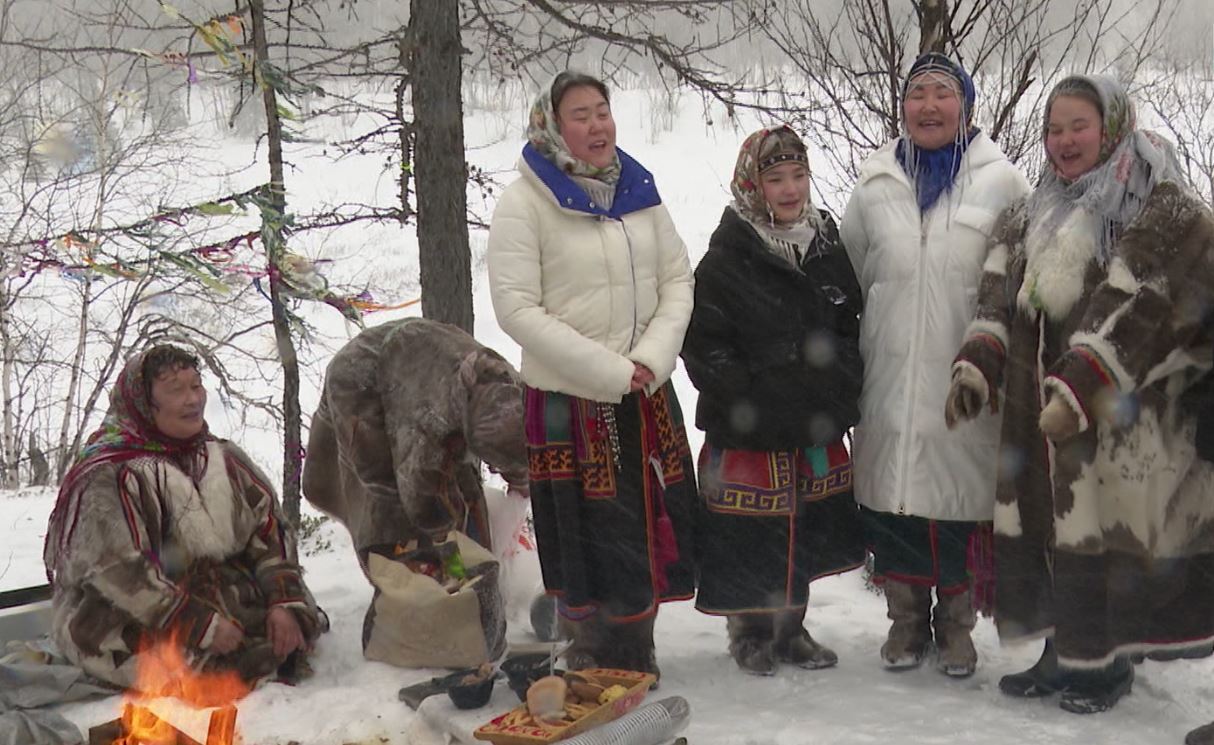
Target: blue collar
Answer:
[[634, 191]]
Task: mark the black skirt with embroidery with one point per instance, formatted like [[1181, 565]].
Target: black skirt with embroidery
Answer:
[[767, 526], [614, 534]]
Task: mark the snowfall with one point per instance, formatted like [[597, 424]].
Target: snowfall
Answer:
[[691, 151]]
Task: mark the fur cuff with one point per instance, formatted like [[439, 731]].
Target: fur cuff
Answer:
[[985, 353], [1086, 380], [968, 374], [1062, 389]]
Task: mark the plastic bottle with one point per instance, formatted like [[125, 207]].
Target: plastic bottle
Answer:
[[650, 724]]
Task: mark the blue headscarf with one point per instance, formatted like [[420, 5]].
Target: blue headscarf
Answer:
[[934, 171]]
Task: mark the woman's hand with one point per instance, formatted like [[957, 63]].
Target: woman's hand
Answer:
[[283, 631], [641, 377], [227, 638], [1058, 420]]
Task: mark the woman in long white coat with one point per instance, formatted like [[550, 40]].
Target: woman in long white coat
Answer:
[[916, 230], [589, 276]]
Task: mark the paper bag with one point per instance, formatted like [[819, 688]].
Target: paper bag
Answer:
[[414, 622]]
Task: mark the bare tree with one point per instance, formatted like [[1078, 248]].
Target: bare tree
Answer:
[[1181, 96], [852, 61], [274, 210]]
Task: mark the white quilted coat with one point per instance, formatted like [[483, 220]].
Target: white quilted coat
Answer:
[[587, 295], [920, 282]]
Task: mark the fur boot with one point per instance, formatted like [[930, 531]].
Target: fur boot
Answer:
[[632, 647], [953, 620], [751, 644], [591, 642], [910, 635], [794, 645]]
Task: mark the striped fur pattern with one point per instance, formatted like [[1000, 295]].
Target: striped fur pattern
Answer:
[[1104, 540]]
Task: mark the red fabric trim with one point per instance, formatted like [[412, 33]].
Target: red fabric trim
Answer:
[[841, 570], [128, 511], [991, 341], [1097, 363], [953, 589], [904, 579]]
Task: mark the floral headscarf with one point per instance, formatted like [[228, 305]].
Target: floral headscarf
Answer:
[[545, 136], [761, 150], [1132, 161], [127, 432]]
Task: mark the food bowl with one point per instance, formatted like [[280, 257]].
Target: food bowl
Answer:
[[469, 689], [523, 670]]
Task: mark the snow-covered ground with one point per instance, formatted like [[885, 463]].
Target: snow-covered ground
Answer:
[[351, 700]]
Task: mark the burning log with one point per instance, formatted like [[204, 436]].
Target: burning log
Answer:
[[167, 722]]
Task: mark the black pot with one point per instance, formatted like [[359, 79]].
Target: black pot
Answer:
[[468, 695], [525, 669]]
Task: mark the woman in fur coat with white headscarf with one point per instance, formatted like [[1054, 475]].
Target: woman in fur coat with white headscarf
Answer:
[[1092, 326]]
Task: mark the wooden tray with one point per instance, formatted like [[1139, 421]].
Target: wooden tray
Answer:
[[638, 684]]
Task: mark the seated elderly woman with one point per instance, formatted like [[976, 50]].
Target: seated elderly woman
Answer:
[[164, 532]]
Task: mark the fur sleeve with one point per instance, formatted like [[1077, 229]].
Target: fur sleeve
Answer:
[[270, 549], [1149, 312], [986, 339]]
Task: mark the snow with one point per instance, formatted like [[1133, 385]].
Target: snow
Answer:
[[351, 700]]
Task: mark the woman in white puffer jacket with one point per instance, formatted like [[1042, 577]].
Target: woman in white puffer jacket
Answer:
[[589, 276], [916, 230]]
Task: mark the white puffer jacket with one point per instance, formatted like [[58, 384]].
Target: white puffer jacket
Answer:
[[587, 292], [920, 282]]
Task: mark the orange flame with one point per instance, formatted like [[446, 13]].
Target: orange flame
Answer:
[[163, 672]]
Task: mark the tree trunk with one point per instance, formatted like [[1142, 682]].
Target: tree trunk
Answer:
[[439, 166], [65, 454], [40, 470], [271, 235], [934, 28], [7, 371]]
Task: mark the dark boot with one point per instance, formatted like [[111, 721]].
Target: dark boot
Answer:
[[1042, 679], [751, 644], [1169, 655], [952, 621], [794, 645], [910, 635], [1203, 735], [591, 642], [632, 647], [1094, 691]]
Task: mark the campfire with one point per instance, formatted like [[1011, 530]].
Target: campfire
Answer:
[[175, 703]]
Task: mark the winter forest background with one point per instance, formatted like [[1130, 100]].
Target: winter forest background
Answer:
[[138, 163], [257, 178]]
